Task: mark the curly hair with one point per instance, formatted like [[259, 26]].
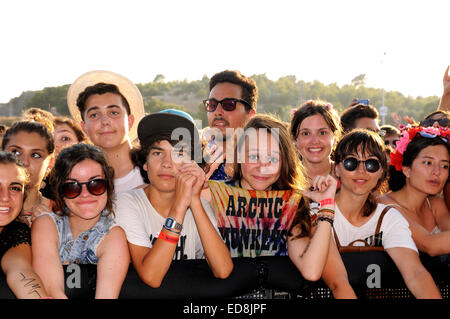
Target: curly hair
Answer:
[[248, 85]]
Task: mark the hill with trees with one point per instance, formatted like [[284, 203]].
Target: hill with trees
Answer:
[[276, 97]]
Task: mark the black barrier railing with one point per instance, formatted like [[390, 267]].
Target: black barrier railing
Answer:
[[371, 274]]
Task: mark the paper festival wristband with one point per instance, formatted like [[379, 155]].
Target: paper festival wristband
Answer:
[[167, 238], [327, 201]]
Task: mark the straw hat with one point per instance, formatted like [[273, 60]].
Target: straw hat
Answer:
[[125, 86]]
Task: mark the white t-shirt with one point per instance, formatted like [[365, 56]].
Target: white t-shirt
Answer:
[[142, 224], [394, 229], [131, 180]]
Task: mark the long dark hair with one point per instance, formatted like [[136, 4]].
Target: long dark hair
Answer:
[[73, 155], [364, 141], [397, 179]]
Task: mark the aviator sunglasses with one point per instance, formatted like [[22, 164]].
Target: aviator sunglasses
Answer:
[[228, 104], [72, 189], [371, 165]]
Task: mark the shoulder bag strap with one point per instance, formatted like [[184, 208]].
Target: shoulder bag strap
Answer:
[[380, 219]]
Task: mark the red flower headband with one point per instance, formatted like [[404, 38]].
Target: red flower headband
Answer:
[[408, 133]]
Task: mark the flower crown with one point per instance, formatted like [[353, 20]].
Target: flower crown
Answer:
[[408, 133]]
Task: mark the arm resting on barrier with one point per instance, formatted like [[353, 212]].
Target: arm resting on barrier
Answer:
[[335, 275], [309, 255], [216, 252], [432, 244], [20, 276], [46, 259], [416, 276], [113, 263]]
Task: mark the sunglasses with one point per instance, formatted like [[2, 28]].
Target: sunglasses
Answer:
[[429, 122], [72, 189], [228, 104], [393, 143], [371, 165]]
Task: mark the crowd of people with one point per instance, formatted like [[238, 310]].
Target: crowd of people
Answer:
[[111, 186]]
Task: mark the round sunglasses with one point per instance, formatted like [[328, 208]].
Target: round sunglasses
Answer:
[[228, 104], [73, 189], [371, 165]]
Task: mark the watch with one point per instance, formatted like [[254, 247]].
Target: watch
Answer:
[[171, 223]]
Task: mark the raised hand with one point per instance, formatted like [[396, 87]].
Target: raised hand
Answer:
[[322, 187], [446, 81]]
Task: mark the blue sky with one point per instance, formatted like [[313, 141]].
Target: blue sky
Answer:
[[400, 45]]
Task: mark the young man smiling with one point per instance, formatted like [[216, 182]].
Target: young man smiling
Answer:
[[109, 107]]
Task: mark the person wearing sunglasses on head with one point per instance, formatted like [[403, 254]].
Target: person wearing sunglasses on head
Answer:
[[83, 231], [419, 169], [232, 101], [361, 165], [436, 119]]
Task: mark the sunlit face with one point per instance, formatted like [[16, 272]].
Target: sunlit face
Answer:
[[86, 206], [221, 119], [106, 121], [315, 139], [12, 188], [163, 163], [262, 161], [64, 137], [367, 123], [360, 181], [429, 170], [31, 149]]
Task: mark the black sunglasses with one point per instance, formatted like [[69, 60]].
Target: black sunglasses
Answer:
[[371, 165], [228, 104], [429, 122], [72, 189], [393, 143]]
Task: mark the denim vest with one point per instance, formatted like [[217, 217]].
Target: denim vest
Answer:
[[83, 249]]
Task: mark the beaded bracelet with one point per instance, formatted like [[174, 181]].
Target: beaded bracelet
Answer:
[[169, 239], [323, 218]]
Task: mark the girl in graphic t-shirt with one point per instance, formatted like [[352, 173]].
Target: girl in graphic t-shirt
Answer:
[[266, 160], [361, 166]]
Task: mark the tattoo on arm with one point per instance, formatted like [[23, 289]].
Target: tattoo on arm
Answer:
[[306, 248], [30, 282]]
